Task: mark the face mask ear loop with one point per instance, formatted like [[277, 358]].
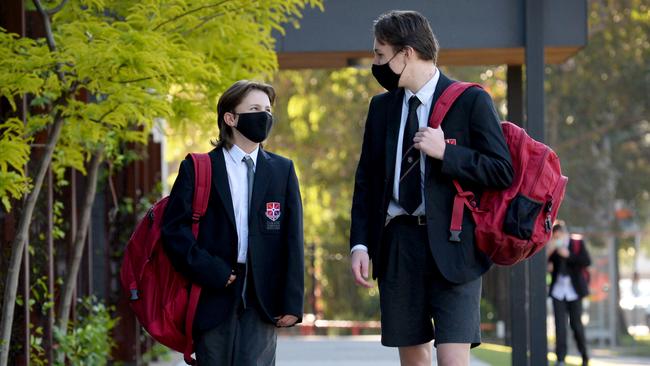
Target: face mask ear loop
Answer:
[[403, 68]]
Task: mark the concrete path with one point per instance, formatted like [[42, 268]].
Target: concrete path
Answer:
[[330, 351]]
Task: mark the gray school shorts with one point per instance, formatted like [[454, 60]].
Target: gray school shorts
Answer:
[[417, 303]]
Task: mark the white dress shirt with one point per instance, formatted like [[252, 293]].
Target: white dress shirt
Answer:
[[238, 182], [425, 95], [563, 289]]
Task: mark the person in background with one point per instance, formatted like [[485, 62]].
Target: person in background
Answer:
[[568, 264]]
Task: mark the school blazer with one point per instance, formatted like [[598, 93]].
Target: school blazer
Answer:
[[275, 247], [479, 160]]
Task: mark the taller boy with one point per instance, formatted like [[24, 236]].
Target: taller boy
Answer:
[[403, 196]]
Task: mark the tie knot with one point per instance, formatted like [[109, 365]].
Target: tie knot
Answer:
[[414, 102], [248, 160]]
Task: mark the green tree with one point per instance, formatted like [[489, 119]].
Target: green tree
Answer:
[[598, 107], [102, 74], [320, 119], [598, 110]]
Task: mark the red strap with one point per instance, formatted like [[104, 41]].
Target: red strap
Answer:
[[202, 182], [576, 246], [195, 293], [446, 100], [462, 198]]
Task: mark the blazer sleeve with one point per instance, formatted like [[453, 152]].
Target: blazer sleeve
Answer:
[[294, 289], [487, 161], [360, 199], [179, 242]]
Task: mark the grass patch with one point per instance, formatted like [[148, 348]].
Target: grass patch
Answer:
[[497, 355], [493, 354]]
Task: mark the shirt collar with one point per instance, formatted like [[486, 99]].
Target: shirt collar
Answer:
[[425, 94], [237, 154]]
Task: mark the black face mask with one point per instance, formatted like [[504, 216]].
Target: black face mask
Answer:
[[385, 76], [255, 126]]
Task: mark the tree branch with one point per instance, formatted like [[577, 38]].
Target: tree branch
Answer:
[[134, 80], [593, 134], [101, 119], [204, 21], [57, 8], [49, 35], [190, 12]]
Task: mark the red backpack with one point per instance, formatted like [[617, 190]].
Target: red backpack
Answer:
[[162, 299], [515, 223]]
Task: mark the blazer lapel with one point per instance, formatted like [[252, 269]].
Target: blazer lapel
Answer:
[[392, 133], [263, 175], [220, 182]]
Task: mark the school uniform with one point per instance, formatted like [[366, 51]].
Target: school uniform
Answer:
[[256, 235], [568, 287], [422, 274]]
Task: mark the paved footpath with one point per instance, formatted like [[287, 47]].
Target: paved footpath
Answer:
[[331, 351]]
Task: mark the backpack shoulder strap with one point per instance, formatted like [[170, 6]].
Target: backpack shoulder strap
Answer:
[[202, 182], [575, 248], [462, 198], [446, 100]]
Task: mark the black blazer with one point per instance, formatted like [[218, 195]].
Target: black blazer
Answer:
[[275, 249], [480, 159], [576, 264]]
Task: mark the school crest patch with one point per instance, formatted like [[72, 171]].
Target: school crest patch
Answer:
[[273, 211]]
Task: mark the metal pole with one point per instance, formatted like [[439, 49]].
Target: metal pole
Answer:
[[613, 291], [518, 273], [535, 126]]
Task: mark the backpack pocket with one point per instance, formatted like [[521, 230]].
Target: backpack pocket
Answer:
[[521, 217]]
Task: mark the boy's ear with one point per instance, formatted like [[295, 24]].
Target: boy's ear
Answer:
[[229, 118], [409, 52]]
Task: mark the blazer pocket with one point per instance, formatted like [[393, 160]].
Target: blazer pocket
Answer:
[[272, 215]]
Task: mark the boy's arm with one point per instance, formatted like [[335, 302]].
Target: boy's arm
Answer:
[[294, 289], [179, 242]]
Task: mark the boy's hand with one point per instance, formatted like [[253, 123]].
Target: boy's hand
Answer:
[[231, 279], [286, 320], [430, 141], [360, 263]]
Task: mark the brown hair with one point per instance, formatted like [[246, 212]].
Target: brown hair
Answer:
[[402, 28], [559, 225], [229, 100]]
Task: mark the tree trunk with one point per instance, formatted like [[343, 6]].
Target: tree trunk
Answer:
[[79, 241], [18, 245]]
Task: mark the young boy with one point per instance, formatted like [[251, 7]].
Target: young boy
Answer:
[[248, 257]]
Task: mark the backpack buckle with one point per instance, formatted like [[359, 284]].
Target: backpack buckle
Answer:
[[455, 236], [196, 217], [548, 225]]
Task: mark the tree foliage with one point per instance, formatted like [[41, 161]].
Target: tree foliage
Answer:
[[598, 105], [103, 73], [120, 65]]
